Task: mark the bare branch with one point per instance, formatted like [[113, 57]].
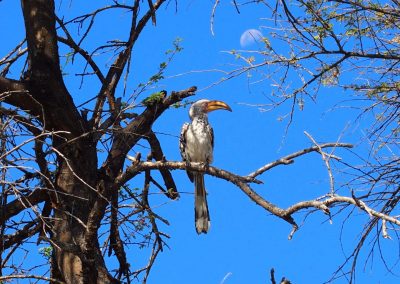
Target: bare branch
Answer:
[[158, 155], [325, 157], [289, 158], [25, 276]]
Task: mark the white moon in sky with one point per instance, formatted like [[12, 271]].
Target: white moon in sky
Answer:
[[250, 37]]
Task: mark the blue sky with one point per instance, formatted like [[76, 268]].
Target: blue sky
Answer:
[[244, 242]]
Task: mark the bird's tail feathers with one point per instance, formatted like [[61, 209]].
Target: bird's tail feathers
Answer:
[[202, 217]]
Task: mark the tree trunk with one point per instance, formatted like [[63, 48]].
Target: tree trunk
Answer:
[[80, 192], [75, 259]]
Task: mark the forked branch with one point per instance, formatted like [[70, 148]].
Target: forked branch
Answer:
[[244, 183]]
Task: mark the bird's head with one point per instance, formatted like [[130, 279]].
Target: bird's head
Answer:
[[202, 107]]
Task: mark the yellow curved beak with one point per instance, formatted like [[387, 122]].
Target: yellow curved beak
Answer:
[[215, 105]]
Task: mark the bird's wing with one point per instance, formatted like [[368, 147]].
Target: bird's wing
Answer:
[[210, 130], [182, 148], [182, 141]]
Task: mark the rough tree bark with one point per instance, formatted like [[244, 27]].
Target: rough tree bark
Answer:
[[74, 260]]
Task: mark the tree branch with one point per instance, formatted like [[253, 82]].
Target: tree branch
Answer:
[[43, 77], [158, 155], [71, 43], [16, 93], [124, 140], [289, 158], [114, 74], [18, 205]]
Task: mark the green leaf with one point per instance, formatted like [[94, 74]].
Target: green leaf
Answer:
[[154, 98]]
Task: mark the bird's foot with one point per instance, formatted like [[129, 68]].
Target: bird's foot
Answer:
[[204, 166]]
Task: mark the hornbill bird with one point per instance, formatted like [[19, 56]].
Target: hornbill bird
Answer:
[[196, 145]]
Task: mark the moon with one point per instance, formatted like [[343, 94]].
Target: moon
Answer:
[[250, 37]]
